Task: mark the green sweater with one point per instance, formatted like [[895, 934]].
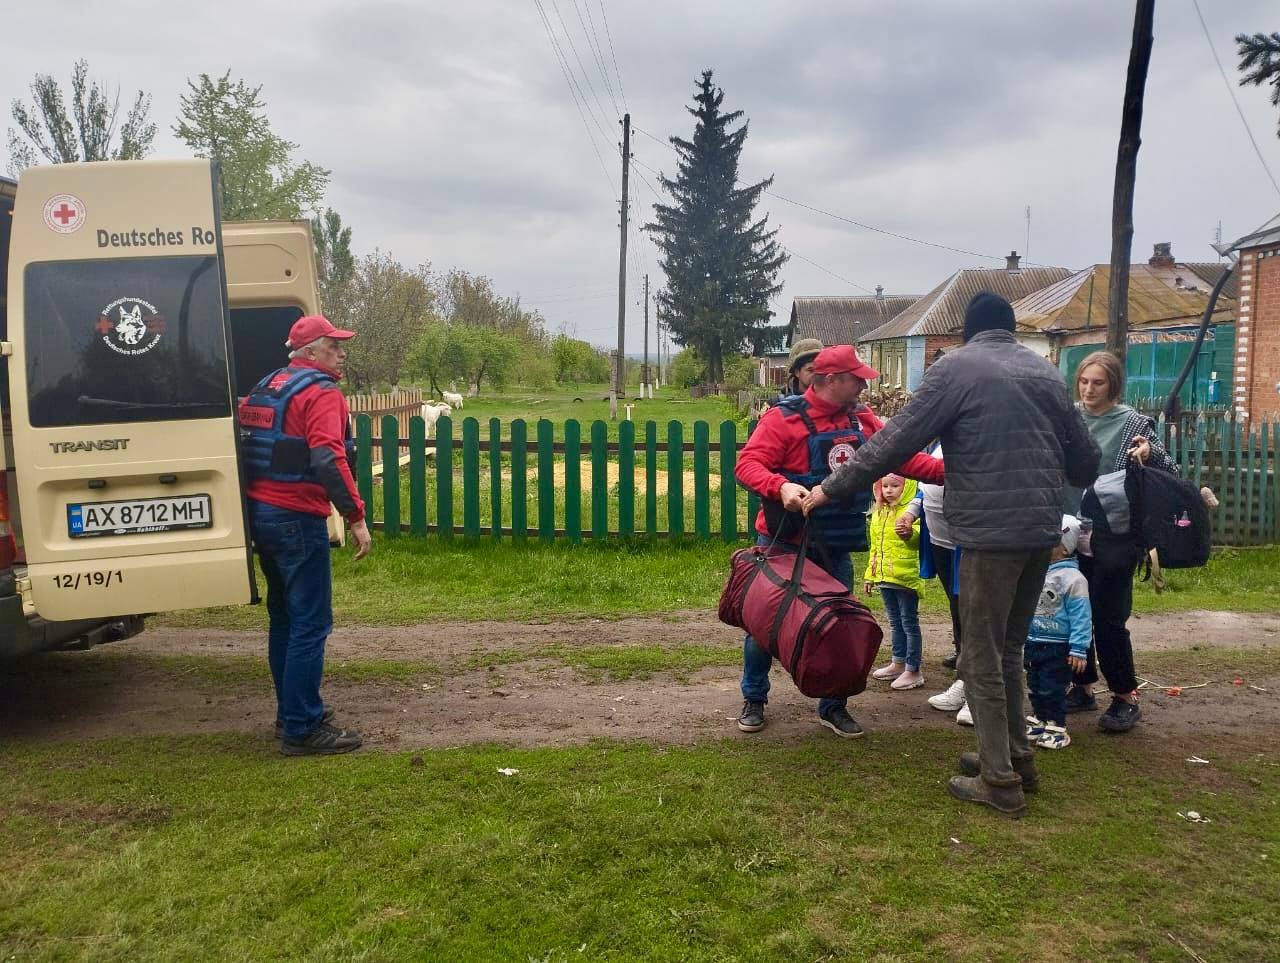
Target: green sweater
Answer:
[[1108, 431]]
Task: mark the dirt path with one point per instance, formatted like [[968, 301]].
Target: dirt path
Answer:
[[124, 690]]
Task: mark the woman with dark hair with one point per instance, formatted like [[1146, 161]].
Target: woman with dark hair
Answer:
[[1122, 435]]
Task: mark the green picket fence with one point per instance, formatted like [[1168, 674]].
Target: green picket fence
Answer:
[[522, 482], [1241, 463], [517, 480]]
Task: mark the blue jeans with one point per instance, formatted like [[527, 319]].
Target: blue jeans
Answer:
[[294, 550], [902, 606], [756, 660], [1048, 674]]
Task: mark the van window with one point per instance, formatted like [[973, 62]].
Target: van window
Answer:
[[258, 335], [125, 340]]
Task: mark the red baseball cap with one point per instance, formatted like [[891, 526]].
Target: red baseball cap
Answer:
[[313, 326], [842, 359]]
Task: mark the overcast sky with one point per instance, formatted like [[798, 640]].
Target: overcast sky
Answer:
[[454, 138]]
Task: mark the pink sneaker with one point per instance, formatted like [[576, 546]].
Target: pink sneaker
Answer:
[[908, 680], [890, 671]]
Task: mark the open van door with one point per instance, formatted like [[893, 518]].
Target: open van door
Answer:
[[271, 282], [121, 385]]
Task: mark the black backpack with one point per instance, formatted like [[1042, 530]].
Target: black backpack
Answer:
[[1170, 516], [1149, 508]]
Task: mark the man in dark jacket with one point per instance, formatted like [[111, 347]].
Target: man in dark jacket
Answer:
[[1013, 440]]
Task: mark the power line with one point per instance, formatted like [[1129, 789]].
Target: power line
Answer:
[[596, 51], [861, 224], [1232, 91], [576, 56], [795, 253], [790, 250], [561, 62], [605, 17]]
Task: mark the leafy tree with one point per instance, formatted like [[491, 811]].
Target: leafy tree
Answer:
[[390, 307], [721, 262], [688, 368], [225, 121], [334, 261], [576, 362], [1260, 62], [88, 133]]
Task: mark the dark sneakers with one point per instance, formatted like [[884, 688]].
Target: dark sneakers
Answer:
[[949, 662], [841, 723], [752, 717], [1120, 717], [1007, 800], [326, 717], [1026, 768], [324, 740], [1078, 700]]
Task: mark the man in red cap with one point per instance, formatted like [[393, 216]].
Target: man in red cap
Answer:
[[298, 455], [796, 445]]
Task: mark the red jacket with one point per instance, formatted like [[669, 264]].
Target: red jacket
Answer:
[[320, 415], [782, 444]]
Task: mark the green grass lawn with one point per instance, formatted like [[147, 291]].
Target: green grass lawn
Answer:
[[558, 405], [409, 580], [208, 848]]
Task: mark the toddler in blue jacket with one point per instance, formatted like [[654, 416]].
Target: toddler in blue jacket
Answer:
[[1058, 641]]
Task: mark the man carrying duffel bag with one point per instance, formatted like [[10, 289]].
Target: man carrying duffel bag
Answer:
[[793, 448]]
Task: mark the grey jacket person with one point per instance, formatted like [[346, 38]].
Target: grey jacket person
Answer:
[[1012, 439]]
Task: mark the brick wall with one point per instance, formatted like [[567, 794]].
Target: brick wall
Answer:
[[1257, 363], [944, 341]]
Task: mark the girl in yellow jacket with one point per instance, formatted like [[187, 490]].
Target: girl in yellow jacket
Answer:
[[894, 567]]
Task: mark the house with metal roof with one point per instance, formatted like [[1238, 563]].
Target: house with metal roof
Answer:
[[1166, 302], [844, 320], [902, 348]]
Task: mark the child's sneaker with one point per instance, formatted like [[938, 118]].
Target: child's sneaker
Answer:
[[951, 700], [1052, 737], [911, 679], [1035, 729], [890, 671]]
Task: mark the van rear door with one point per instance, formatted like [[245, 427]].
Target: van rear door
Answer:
[[123, 409], [271, 282]]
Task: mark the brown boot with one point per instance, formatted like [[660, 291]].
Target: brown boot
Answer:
[[1026, 768], [1004, 799]]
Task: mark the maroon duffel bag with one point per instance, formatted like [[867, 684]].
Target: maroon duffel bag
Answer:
[[805, 617]]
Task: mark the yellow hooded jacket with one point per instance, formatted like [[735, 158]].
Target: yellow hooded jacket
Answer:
[[893, 561]]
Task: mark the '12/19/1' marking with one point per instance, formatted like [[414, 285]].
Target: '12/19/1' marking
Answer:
[[89, 579]]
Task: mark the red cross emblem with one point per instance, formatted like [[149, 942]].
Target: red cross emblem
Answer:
[[840, 453], [104, 324], [64, 213]]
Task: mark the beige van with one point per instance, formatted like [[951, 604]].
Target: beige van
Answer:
[[132, 321]]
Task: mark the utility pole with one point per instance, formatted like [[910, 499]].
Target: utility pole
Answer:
[[644, 369], [619, 377], [1126, 174]]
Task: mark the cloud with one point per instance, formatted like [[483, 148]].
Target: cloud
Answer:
[[453, 136]]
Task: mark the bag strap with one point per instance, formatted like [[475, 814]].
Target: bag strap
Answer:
[[793, 588]]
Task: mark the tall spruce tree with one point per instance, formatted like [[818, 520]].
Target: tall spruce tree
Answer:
[[1260, 62], [721, 262]]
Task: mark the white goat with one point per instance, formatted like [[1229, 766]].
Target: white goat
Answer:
[[453, 399], [431, 412]]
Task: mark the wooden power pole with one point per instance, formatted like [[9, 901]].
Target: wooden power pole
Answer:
[[1126, 174], [619, 376]]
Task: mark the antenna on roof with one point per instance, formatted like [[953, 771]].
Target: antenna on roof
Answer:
[[1217, 240], [1026, 248]]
